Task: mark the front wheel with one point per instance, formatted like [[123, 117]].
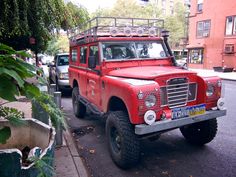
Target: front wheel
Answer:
[[200, 133], [78, 107], [123, 144]]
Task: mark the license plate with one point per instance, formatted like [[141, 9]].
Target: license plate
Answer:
[[188, 111]]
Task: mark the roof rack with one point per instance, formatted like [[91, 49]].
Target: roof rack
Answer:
[[116, 26]]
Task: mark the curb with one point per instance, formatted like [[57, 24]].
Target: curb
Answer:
[[80, 167], [232, 80]]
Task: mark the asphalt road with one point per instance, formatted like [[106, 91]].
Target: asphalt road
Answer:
[[170, 156]]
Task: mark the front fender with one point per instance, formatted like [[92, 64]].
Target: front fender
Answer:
[[126, 90]]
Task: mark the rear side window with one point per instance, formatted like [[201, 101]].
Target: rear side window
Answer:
[[83, 54], [74, 55], [93, 51]]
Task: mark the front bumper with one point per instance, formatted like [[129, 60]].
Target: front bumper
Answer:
[[63, 82], [165, 125]]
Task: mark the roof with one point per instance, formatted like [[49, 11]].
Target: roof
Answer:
[[59, 54], [116, 27]]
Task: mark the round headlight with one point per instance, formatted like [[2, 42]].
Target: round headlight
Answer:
[[210, 90], [150, 100]]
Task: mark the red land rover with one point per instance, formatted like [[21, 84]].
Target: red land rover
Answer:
[[123, 69]]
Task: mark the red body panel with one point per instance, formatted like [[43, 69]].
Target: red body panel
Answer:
[[125, 79], [147, 72]]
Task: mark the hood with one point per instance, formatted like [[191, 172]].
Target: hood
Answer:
[[63, 69], [148, 72]]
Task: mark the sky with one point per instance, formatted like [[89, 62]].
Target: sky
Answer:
[[92, 5]]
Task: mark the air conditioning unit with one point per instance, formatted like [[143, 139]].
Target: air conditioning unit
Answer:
[[229, 49]]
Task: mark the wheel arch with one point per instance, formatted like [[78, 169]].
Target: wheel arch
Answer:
[[117, 104], [75, 83]]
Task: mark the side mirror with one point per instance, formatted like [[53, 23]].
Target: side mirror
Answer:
[[91, 62]]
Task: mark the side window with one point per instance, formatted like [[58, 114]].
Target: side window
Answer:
[[83, 54], [93, 51], [74, 55]]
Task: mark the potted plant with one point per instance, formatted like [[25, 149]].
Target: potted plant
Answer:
[[24, 143]]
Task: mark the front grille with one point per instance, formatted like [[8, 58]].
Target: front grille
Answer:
[[176, 92]]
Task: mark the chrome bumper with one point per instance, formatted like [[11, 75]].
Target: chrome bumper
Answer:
[[164, 125], [63, 82]]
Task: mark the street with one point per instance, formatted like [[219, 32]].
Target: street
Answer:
[[168, 156]]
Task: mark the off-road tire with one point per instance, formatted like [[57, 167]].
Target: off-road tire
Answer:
[[200, 133], [123, 144], [78, 107]]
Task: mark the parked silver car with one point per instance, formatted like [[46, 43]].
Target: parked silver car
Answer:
[[58, 72]]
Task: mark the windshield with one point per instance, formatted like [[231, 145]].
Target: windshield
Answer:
[[133, 50], [63, 60]]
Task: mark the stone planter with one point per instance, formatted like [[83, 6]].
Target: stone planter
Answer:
[[33, 134]]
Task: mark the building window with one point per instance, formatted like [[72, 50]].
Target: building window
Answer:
[[203, 28], [163, 3], [83, 54], [199, 5], [74, 55], [196, 56], [229, 48], [230, 27]]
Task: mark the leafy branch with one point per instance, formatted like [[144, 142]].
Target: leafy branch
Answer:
[[15, 74]]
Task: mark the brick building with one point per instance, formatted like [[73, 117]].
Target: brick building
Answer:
[[212, 34]]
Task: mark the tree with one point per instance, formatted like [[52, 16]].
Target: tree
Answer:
[[127, 8], [21, 20], [58, 44], [78, 14], [175, 23]]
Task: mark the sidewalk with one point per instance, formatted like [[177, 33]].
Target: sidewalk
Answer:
[[225, 76], [67, 160]]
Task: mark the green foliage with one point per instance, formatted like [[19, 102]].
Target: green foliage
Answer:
[[13, 115], [42, 165], [59, 44], [22, 19], [14, 73], [48, 105], [125, 8], [175, 23], [5, 134], [15, 118], [76, 14]]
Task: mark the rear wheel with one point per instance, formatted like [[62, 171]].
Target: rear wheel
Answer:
[[78, 107], [123, 144], [200, 133]]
